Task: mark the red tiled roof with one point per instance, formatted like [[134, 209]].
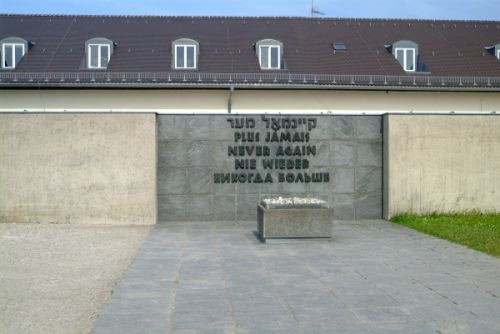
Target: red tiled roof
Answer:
[[448, 48]]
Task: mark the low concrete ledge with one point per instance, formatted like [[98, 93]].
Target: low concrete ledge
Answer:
[[294, 221]]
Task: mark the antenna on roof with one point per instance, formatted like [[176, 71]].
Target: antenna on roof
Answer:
[[315, 10]]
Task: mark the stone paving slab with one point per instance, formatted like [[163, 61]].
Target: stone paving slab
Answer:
[[373, 277]]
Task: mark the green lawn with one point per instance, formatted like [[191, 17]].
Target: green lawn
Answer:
[[479, 231]]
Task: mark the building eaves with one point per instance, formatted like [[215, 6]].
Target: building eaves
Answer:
[[244, 80]]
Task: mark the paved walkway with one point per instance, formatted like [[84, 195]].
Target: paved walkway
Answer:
[[374, 277]]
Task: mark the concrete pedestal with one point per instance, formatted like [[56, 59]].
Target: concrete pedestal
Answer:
[[294, 223]]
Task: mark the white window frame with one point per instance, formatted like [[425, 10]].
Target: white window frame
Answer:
[[13, 45], [498, 54], [270, 46], [405, 67], [185, 67], [99, 46]]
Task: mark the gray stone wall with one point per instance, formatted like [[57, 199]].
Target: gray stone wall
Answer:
[[191, 149]]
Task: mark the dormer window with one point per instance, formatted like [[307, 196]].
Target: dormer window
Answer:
[[406, 57], [406, 53], [269, 57], [185, 54], [98, 53], [494, 50], [270, 54], [13, 50]]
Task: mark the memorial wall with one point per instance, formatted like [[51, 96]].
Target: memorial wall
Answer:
[[218, 167]]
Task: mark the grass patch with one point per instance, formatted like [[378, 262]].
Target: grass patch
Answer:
[[479, 231]]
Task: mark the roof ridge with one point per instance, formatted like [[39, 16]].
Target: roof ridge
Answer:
[[362, 19]]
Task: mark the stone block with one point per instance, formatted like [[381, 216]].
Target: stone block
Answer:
[[198, 154], [369, 154], [343, 180], [368, 206], [172, 208], [322, 157], [323, 130], [170, 127], [368, 179], [199, 208], [219, 155], [294, 188], [368, 127], [224, 207], [343, 206], [172, 181], [244, 208], [342, 153], [343, 127], [171, 154], [197, 127], [221, 128], [200, 180], [293, 223]]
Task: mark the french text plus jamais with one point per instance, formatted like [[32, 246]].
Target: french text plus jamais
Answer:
[[281, 151]]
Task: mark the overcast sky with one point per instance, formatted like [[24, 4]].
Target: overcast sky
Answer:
[[421, 9]]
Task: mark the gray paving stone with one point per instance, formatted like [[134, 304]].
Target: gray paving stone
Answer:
[[374, 277], [125, 323], [379, 314]]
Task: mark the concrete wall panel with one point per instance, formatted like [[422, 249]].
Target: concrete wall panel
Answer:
[[441, 163], [78, 168]]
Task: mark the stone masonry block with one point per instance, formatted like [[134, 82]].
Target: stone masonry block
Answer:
[[342, 153], [368, 127], [294, 223], [200, 180], [369, 154], [172, 181], [368, 206], [224, 207], [343, 127], [172, 208], [368, 179], [343, 180], [171, 154]]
